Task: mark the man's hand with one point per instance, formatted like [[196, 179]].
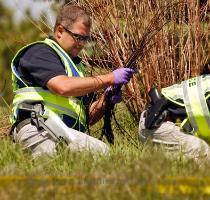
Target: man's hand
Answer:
[[122, 75]]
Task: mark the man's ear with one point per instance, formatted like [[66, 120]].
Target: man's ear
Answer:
[[59, 31]]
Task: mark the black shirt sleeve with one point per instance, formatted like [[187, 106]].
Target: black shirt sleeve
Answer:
[[39, 64]]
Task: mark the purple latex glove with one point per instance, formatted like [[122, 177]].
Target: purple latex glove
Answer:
[[122, 75], [115, 97]]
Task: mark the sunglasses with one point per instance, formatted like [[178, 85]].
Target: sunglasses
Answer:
[[76, 36]]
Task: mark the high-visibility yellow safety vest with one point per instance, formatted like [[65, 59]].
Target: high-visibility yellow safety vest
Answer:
[[71, 107], [192, 95]]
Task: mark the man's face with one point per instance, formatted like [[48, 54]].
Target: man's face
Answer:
[[73, 39]]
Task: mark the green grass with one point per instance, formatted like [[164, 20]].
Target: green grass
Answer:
[[129, 172]]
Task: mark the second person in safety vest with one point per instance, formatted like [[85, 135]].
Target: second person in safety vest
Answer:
[[178, 118]]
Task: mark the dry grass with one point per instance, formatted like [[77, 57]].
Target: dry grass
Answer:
[[177, 51], [5, 125]]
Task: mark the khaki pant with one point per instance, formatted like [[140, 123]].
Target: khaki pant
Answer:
[[40, 142], [175, 141]]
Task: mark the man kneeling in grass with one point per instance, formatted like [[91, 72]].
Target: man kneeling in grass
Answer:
[[51, 91]]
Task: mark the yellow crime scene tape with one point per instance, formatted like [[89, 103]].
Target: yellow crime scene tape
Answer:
[[168, 185]]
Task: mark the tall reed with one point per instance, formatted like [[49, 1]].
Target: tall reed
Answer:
[[176, 52]]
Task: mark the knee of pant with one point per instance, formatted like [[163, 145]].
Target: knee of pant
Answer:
[[95, 145], [105, 150], [102, 148], [199, 147], [88, 143]]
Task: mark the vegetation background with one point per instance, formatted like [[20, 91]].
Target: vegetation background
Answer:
[[178, 51]]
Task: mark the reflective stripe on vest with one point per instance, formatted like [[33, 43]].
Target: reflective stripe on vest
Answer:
[[174, 93], [71, 69], [196, 106], [193, 93], [72, 106]]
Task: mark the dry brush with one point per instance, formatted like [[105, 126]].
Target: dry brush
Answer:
[[175, 48]]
